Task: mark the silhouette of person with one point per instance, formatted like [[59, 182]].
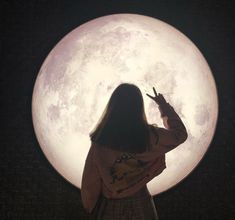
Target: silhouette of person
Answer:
[[125, 154]]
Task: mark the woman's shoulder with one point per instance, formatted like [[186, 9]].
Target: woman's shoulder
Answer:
[[153, 128], [101, 148]]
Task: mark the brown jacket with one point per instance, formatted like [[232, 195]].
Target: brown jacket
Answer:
[[118, 174]]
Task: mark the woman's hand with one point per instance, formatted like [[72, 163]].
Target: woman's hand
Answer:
[[159, 99]]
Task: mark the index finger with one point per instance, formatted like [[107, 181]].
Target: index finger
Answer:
[[150, 96]]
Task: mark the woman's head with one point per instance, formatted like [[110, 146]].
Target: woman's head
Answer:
[[126, 101], [123, 124]]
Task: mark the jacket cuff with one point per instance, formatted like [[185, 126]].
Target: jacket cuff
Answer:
[[165, 109]]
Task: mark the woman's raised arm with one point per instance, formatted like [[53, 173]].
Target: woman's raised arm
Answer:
[[175, 132]]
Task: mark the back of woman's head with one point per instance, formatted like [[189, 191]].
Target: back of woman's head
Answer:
[[123, 125]]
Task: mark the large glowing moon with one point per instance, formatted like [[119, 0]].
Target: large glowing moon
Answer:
[[77, 78]]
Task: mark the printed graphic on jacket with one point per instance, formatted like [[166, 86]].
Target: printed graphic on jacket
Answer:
[[126, 171]]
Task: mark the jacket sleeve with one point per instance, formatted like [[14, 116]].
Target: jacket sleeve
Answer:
[[174, 132], [91, 183]]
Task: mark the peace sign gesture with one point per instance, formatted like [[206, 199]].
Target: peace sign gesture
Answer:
[[159, 99]]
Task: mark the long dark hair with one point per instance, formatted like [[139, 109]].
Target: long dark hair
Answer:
[[123, 125]]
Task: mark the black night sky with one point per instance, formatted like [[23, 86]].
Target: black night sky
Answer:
[[30, 187]]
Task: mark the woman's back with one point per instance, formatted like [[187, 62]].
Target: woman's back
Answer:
[[124, 173], [136, 204]]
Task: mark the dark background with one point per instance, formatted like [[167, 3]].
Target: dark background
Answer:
[[30, 186]]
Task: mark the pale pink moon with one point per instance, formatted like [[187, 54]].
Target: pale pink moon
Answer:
[[80, 73]]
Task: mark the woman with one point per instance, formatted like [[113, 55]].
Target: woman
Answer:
[[125, 154]]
